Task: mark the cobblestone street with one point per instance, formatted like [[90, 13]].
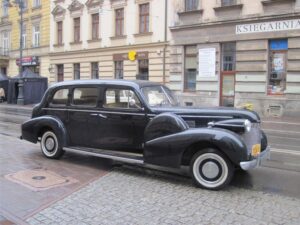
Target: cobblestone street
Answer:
[[137, 196]]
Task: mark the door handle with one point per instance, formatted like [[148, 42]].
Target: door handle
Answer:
[[94, 114], [102, 116]]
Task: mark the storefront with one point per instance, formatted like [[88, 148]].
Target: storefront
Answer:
[[254, 62], [30, 62]]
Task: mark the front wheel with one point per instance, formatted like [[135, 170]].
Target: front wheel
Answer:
[[50, 145], [211, 169]]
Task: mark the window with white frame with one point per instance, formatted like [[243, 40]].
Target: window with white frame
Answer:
[[36, 35], [5, 42], [36, 3], [24, 36], [5, 7]]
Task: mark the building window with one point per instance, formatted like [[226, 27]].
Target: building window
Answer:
[[143, 70], [191, 5], [277, 66], [59, 32], [228, 2], [5, 43], [95, 70], [119, 70], [60, 73], [228, 56], [36, 36], [119, 22], [36, 3], [24, 6], [190, 68], [77, 30], [95, 26], [4, 8], [144, 18], [24, 36], [76, 67]]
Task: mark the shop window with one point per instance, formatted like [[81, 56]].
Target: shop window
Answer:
[[144, 18], [143, 70], [277, 66], [190, 68], [191, 5], [77, 30], [76, 67], [95, 26], [59, 32], [119, 22], [85, 97], [95, 70], [60, 73], [119, 72], [228, 56]]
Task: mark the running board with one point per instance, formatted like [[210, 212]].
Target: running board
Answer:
[[108, 154]]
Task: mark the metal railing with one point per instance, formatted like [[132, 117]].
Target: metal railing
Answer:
[[4, 51]]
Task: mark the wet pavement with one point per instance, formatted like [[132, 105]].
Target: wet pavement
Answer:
[[279, 177]]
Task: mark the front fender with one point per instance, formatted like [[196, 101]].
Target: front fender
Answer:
[[31, 129], [169, 150]]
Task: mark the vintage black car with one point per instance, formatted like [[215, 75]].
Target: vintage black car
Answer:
[[141, 122]]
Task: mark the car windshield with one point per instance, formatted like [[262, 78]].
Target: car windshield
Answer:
[[159, 96]]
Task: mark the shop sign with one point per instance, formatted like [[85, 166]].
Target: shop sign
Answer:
[[125, 56], [28, 61], [268, 26], [207, 62]]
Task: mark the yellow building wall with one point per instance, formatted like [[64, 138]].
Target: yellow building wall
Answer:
[[29, 15]]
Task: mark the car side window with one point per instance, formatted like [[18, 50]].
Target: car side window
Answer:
[[85, 97], [121, 98], [60, 97]]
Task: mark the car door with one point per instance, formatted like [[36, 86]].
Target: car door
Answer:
[[83, 106], [121, 120]]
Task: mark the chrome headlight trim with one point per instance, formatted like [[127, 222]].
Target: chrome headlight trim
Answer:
[[247, 125]]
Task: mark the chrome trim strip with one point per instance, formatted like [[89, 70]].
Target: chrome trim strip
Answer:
[[106, 156], [95, 111], [247, 165]]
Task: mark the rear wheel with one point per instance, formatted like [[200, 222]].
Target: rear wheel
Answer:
[[51, 146], [211, 169]]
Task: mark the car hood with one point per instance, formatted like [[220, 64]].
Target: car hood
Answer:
[[219, 113]]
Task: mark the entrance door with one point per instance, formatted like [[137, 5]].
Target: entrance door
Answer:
[[227, 80]]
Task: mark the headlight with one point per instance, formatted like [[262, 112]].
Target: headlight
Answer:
[[247, 125]]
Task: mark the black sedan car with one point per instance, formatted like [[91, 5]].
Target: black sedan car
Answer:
[[141, 122]]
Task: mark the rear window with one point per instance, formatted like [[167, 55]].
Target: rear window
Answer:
[[60, 97], [85, 97]]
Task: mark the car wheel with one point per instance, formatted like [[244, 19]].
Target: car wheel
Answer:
[[211, 169], [50, 145]]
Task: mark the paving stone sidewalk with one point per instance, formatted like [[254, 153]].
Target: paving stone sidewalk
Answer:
[[137, 196]]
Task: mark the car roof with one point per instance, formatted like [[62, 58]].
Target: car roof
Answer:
[[131, 83]]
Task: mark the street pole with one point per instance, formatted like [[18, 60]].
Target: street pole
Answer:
[[20, 100]]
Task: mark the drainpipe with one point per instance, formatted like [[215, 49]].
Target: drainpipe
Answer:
[[165, 41]]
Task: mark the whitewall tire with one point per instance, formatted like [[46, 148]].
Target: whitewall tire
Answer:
[[211, 169], [50, 145]]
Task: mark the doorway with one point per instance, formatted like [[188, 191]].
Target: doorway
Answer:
[[227, 79]]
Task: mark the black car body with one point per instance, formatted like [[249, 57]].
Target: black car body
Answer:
[[141, 122]]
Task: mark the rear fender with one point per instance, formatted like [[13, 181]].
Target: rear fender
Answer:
[[32, 128], [169, 150]]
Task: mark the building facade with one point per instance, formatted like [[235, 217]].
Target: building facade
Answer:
[[107, 39], [234, 52], [35, 38]]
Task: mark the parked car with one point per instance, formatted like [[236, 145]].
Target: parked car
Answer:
[[141, 122]]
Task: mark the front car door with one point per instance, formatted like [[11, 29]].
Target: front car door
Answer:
[[121, 120]]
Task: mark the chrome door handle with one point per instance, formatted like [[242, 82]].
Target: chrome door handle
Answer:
[[94, 114], [102, 116]]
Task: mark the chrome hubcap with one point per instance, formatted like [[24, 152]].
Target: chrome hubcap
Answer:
[[50, 144], [210, 170]]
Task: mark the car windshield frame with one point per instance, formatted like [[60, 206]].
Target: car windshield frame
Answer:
[[168, 97]]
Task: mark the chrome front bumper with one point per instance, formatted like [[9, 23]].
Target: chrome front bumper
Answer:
[[247, 165]]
